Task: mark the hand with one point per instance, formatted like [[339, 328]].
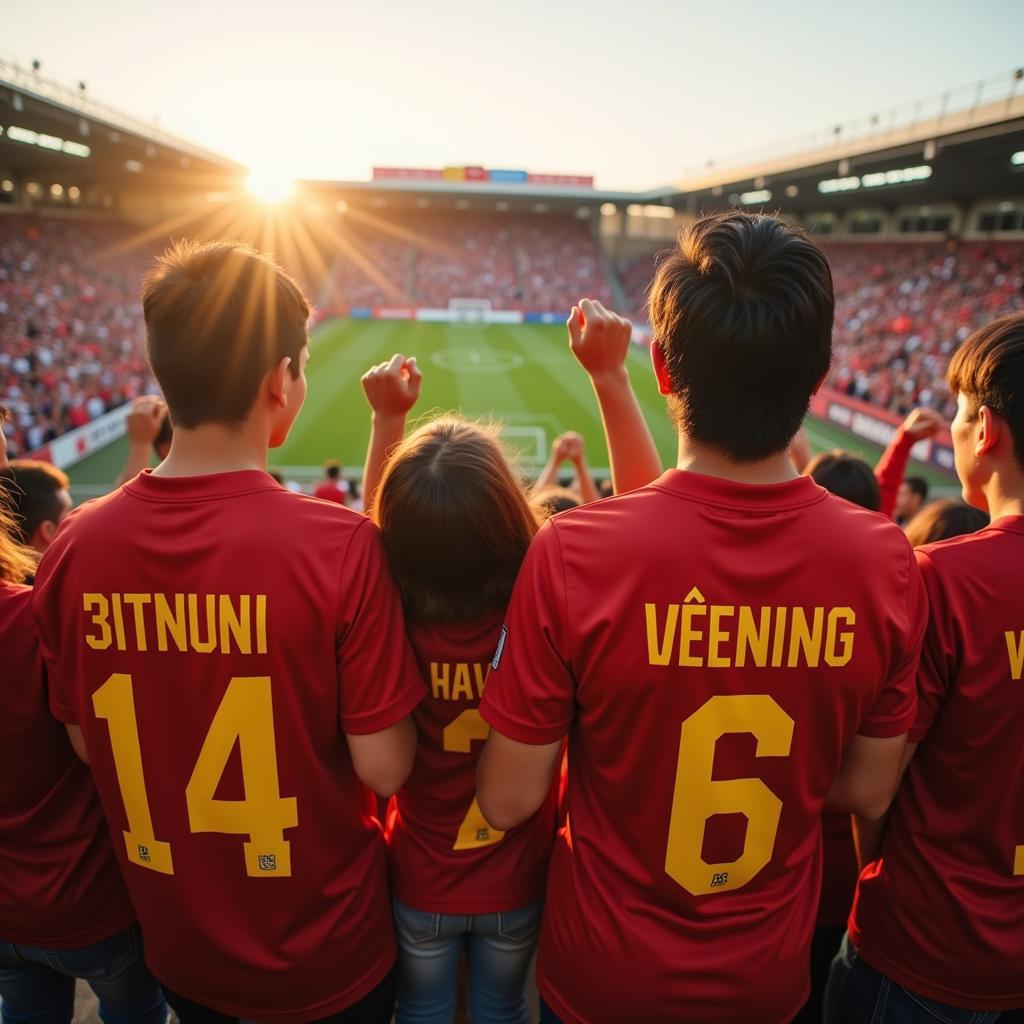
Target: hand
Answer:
[[144, 420], [599, 339], [568, 446], [392, 388], [923, 422]]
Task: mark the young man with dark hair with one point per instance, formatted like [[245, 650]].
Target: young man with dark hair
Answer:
[[39, 499], [910, 498], [937, 927], [742, 670], [200, 608]]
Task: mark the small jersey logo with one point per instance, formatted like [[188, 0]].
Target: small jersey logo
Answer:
[[501, 647], [483, 834], [267, 862], [144, 853], [719, 878]]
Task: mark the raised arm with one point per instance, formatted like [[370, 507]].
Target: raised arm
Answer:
[[892, 465], [143, 425], [600, 339], [568, 446], [391, 389]]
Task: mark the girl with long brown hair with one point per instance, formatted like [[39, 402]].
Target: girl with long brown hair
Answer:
[[456, 524]]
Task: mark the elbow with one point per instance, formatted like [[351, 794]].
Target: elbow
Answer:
[[388, 782], [500, 814], [873, 808], [869, 805]]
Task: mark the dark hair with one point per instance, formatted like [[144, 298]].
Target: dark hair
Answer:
[[944, 519], [32, 491], [918, 485], [847, 476], [742, 310], [455, 521], [218, 317], [988, 369], [550, 501], [333, 469]]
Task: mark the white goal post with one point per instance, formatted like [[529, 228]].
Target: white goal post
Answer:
[[469, 311]]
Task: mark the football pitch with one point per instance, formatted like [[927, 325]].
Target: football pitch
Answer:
[[522, 375]]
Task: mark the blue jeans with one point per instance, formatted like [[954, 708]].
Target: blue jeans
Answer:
[[858, 994], [38, 985], [498, 952]]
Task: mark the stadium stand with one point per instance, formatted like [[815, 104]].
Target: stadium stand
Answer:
[[901, 310], [70, 326]]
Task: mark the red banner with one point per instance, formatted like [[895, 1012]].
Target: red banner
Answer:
[[879, 425]]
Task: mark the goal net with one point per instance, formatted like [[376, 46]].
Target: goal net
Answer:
[[469, 311]]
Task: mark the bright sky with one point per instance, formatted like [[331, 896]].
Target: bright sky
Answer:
[[633, 92]]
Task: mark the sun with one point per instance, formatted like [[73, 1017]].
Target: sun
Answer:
[[270, 186]]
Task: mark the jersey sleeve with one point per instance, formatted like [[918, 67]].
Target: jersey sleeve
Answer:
[[891, 468], [45, 588], [939, 654], [531, 692], [894, 709], [378, 679]]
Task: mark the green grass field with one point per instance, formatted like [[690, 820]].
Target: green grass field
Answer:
[[522, 375]]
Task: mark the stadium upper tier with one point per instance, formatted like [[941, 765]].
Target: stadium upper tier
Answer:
[[72, 339]]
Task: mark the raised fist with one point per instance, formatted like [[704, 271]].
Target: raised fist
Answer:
[[599, 339], [392, 388]]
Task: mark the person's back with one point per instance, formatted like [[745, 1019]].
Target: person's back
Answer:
[[732, 677], [941, 911], [201, 608]]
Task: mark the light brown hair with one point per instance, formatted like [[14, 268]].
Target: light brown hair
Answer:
[[988, 369], [218, 317], [455, 521], [944, 519]]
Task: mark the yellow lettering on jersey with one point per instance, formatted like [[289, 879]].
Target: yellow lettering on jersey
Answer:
[[718, 636], [136, 602], [115, 604], [235, 626], [805, 638], [198, 645], [440, 680], [482, 673], [100, 608], [687, 633], [261, 623], [1015, 649], [752, 638], [833, 657], [462, 686], [659, 651], [168, 622], [773, 636]]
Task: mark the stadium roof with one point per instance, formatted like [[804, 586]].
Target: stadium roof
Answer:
[[960, 143], [47, 127]]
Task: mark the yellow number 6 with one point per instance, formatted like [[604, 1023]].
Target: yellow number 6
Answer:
[[697, 796]]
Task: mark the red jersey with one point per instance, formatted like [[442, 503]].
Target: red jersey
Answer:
[[710, 649], [60, 886], [328, 490], [942, 912], [445, 858], [213, 637]]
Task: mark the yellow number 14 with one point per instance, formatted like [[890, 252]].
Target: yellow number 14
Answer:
[[245, 715]]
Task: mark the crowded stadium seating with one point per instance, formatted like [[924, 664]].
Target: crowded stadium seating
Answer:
[[71, 327], [901, 310]]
